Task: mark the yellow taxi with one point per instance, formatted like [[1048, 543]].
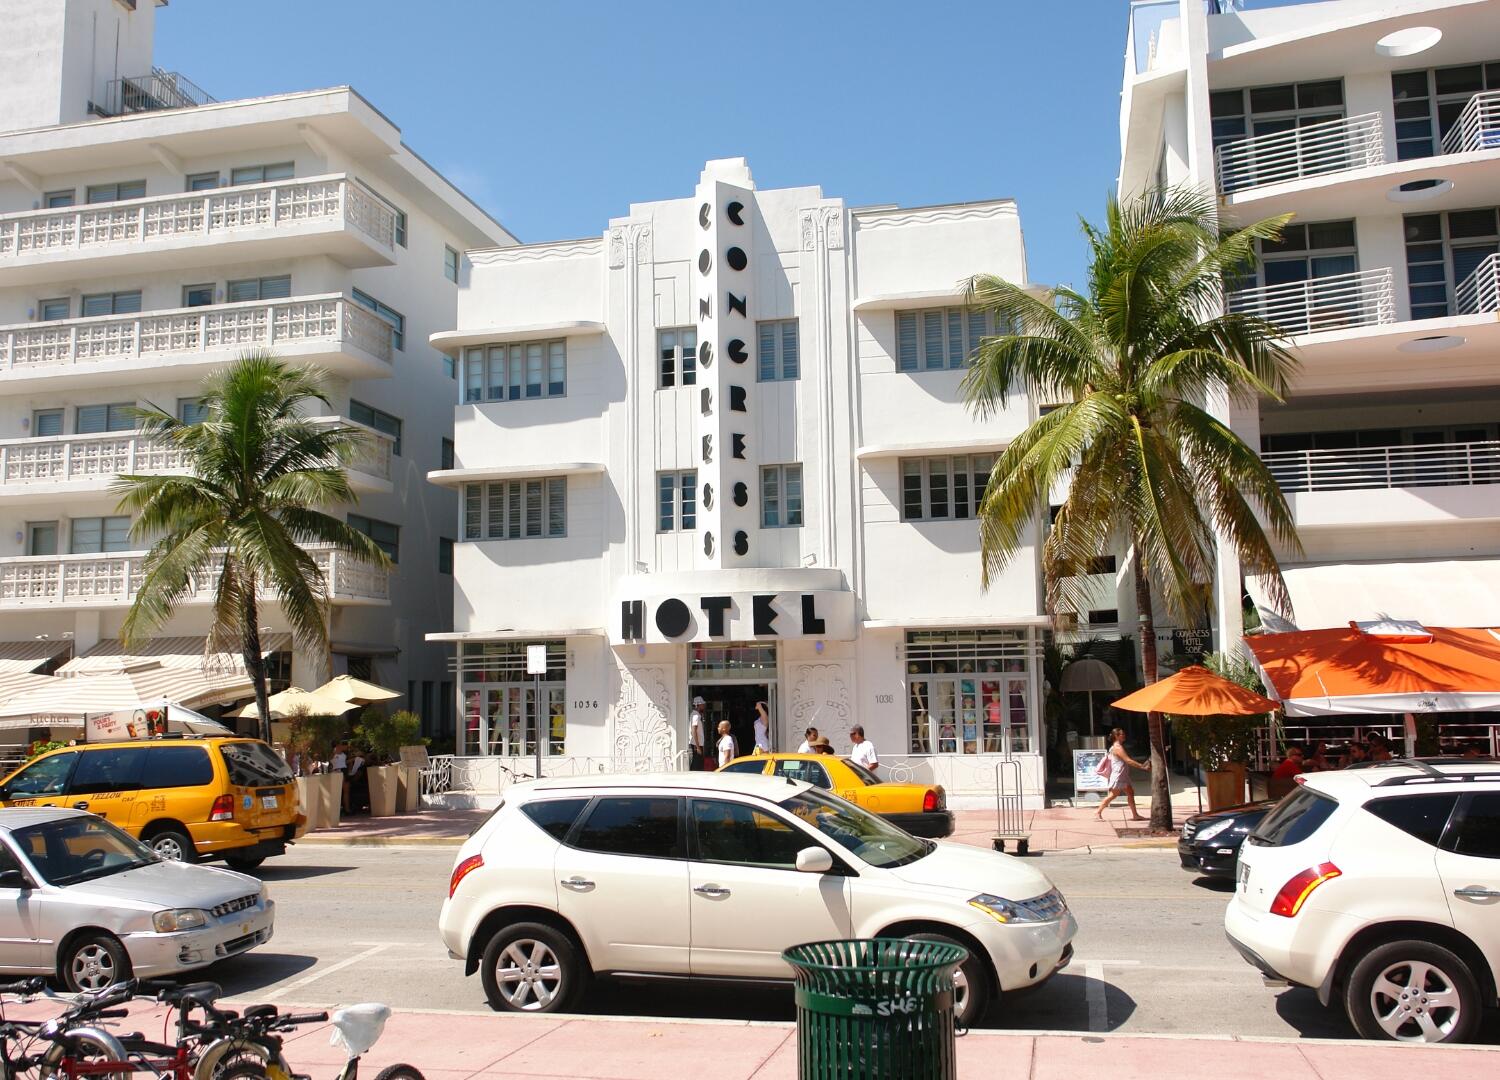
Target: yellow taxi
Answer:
[[920, 809], [183, 796]]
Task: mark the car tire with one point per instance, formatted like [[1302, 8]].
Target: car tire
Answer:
[[529, 967], [92, 962], [1413, 991], [972, 989], [174, 845], [243, 863]]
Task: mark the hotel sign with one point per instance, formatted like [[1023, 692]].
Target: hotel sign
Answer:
[[739, 616]]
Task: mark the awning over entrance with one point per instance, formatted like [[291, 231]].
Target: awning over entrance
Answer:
[[61, 700], [181, 653], [1461, 592], [27, 656], [1348, 671]]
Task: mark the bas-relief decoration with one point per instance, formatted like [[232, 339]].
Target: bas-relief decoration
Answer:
[[643, 718], [931, 215], [829, 220], [820, 698], [562, 249], [633, 239]]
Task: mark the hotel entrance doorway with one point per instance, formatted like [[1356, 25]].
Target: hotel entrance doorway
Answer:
[[734, 702]]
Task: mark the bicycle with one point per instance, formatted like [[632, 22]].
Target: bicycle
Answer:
[[69, 1036]]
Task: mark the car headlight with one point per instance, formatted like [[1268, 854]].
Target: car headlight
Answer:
[[1222, 825], [1003, 910], [265, 894], [175, 919]]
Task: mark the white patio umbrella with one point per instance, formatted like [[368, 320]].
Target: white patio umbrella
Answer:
[[293, 699], [359, 691]]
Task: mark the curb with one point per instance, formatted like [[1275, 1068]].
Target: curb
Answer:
[[381, 841]]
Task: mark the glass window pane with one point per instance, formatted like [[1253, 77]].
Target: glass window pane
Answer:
[[906, 341], [1480, 833], [688, 342], [86, 535], [640, 826], [666, 516], [794, 494], [46, 422], [557, 506], [667, 350], [937, 483], [52, 310], [932, 340], [513, 493], [557, 368], [770, 498], [767, 353], [496, 390], [534, 370], [533, 508], [517, 370], [955, 338], [473, 507], [790, 362], [91, 419], [961, 488], [911, 490], [689, 485], [742, 835]]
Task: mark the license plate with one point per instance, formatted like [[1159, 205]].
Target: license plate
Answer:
[[268, 802], [1242, 874]]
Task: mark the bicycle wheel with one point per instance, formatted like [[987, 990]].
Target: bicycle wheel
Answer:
[[399, 1072], [243, 1070], [81, 1049]]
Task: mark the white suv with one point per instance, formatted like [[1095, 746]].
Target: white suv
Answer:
[[712, 875], [1380, 888]]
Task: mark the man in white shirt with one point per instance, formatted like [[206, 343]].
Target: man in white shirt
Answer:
[[696, 735], [807, 737], [863, 752], [728, 751], [762, 729]]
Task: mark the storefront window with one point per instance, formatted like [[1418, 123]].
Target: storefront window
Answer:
[[504, 707], [731, 661], [968, 690]]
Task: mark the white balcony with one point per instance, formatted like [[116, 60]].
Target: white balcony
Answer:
[[1480, 291], [1318, 305], [112, 580], [45, 469], [1477, 127], [329, 215], [1316, 150], [330, 330]]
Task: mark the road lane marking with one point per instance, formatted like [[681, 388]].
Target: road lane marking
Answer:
[[1093, 971], [316, 974]]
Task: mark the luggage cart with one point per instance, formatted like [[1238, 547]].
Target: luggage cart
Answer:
[[1010, 818]]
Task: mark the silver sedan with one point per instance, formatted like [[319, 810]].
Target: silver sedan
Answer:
[[82, 900]]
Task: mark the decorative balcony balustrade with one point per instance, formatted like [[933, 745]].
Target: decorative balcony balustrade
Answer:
[[1444, 465], [1313, 150], [1477, 127], [1480, 291], [112, 580], [63, 459], [328, 320], [215, 215], [1363, 298]]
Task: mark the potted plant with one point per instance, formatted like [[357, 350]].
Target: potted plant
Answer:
[[385, 735], [309, 788], [322, 733], [1223, 745]]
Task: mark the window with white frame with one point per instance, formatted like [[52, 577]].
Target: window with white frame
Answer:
[[125, 189], [261, 174], [778, 356], [52, 310], [386, 534], [204, 181], [940, 339], [677, 501], [380, 420], [56, 200], [446, 454], [46, 423], [198, 295], [678, 349], [966, 689], [520, 370], [400, 226], [91, 535], [94, 419], [534, 508], [450, 263], [944, 488], [388, 314], [781, 496], [191, 410], [277, 287], [112, 303], [503, 711]]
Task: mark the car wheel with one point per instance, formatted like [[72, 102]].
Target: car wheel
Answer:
[[529, 967], [1413, 991], [92, 962], [971, 982], [243, 863], [174, 845]]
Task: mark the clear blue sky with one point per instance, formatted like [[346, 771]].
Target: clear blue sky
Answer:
[[554, 116]]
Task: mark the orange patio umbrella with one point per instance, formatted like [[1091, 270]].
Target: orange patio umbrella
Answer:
[[1196, 691]]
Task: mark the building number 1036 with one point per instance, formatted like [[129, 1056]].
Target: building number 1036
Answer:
[[585, 703]]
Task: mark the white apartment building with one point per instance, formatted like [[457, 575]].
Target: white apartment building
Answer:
[[719, 450], [149, 235], [1376, 124]]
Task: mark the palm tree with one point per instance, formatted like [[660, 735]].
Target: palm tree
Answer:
[[257, 473], [1144, 462]]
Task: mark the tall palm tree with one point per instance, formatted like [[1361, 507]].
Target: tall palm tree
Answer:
[[258, 471], [1145, 464]]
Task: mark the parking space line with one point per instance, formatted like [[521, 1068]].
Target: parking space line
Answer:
[[316, 973]]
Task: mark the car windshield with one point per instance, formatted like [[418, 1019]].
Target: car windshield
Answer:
[[74, 849], [863, 773], [252, 763], [860, 832]]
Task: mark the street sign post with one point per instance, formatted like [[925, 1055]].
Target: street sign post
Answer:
[[536, 667]]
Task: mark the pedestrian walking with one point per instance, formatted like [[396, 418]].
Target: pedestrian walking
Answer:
[[1120, 764], [340, 765], [697, 737], [808, 737], [728, 751], [762, 728], [863, 752]]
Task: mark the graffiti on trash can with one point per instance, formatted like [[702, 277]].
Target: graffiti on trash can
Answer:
[[904, 1006]]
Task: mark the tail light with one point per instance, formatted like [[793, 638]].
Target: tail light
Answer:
[[463, 870], [223, 809], [935, 798], [1294, 893]]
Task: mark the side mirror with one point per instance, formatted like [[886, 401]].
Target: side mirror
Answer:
[[13, 879], [810, 860]]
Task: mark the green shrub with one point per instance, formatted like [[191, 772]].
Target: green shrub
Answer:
[[385, 734]]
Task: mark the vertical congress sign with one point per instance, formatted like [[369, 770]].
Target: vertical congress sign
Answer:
[[726, 376]]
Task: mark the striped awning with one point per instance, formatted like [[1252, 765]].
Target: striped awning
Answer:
[[181, 653], [61, 700], [26, 656]]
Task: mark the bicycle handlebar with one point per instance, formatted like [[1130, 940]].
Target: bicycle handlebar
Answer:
[[298, 1019], [26, 987]]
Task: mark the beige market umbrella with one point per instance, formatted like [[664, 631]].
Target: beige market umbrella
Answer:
[[358, 691], [294, 698]]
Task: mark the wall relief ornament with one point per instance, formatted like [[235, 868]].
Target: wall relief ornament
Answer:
[[645, 738], [820, 699]]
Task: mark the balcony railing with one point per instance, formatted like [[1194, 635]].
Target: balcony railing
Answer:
[[1477, 127], [114, 579], [213, 215], [1363, 298], [148, 93], [64, 459], [1314, 150], [330, 320], [1444, 465], [1480, 291]]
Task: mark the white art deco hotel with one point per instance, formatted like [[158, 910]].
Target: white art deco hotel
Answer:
[[719, 450]]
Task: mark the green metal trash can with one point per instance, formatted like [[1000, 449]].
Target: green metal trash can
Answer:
[[875, 1007]]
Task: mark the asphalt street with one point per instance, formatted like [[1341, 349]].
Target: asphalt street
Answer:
[[359, 924]]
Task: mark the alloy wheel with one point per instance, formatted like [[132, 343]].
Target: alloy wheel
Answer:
[[1415, 1001], [960, 993], [93, 968], [528, 974], [169, 848]]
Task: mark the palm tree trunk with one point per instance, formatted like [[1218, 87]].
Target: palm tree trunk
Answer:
[[255, 662], [1161, 790]]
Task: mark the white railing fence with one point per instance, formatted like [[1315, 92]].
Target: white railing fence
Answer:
[[493, 774], [1363, 298], [1480, 291], [1477, 127], [1330, 146], [1453, 738], [1443, 465]]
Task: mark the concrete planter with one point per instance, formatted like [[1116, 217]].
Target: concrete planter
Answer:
[[410, 796], [309, 801], [385, 784], [330, 798], [1226, 788]]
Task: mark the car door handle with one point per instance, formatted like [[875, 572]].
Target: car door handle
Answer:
[[1475, 892], [80, 806], [577, 883], [711, 890]]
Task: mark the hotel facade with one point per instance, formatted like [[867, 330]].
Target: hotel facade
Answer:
[[149, 235], [720, 450]]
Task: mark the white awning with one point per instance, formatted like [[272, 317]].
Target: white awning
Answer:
[[1459, 592], [60, 700], [180, 653], [26, 656]]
